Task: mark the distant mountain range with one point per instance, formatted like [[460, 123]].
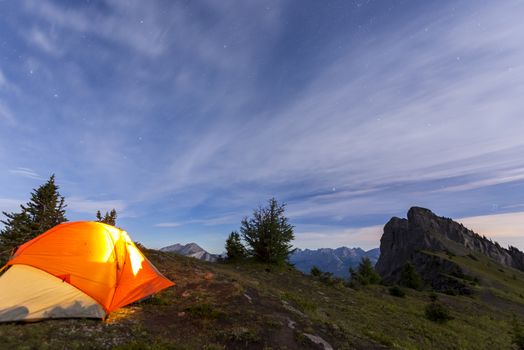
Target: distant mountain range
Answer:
[[192, 250], [337, 261]]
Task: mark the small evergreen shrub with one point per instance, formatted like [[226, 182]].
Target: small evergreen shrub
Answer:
[[109, 217], [437, 312], [517, 334], [234, 248], [396, 291], [473, 280], [330, 280], [326, 277], [315, 271], [365, 274], [410, 278], [336, 281]]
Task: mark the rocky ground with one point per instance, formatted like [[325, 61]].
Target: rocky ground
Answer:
[[252, 306]]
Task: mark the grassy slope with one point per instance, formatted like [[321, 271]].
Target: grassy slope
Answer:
[[218, 306]]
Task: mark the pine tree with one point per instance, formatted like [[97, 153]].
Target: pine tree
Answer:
[[17, 229], [109, 217], [410, 278], [365, 273], [268, 233], [45, 209], [315, 271], [234, 248]]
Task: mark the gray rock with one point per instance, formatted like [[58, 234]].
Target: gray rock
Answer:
[[319, 341], [407, 240]]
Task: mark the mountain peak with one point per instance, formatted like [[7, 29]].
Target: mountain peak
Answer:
[[337, 260], [191, 250], [419, 211], [408, 240]]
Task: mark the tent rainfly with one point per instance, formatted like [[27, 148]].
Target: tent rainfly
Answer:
[[76, 270]]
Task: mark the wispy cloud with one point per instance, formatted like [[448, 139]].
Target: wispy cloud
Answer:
[[43, 41], [26, 172], [500, 178], [376, 122], [207, 109], [10, 205], [151, 29], [3, 80], [416, 105], [91, 206], [214, 221], [138, 30], [168, 224], [6, 114], [220, 220]]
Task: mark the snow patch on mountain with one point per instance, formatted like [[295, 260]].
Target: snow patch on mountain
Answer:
[[192, 250]]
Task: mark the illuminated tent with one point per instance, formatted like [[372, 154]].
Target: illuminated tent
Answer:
[[76, 269]]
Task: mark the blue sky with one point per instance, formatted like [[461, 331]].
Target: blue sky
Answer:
[[185, 115]]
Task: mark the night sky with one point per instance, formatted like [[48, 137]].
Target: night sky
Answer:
[[185, 115]]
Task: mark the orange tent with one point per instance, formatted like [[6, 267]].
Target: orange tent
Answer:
[[76, 269]]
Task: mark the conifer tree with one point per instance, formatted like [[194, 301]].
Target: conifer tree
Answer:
[[268, 233], [234, 247], [410, 278], [365, 273], [17, 229], [45, 209], [315, 271], [109, 217]]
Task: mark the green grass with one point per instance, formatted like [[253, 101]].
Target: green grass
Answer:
[[505, 282], [371, 313], [204, 311], [243, 306], [303, 304]]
